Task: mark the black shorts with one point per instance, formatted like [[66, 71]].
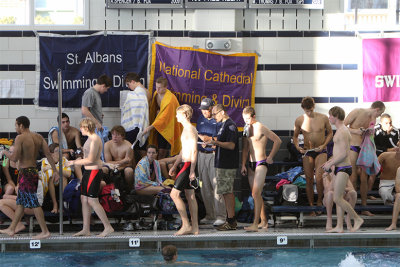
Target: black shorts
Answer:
[[182, 181], [162, 142], [315, 154], [254, 164], [91, 183], [131, 137], [345, 169], [356, 149]]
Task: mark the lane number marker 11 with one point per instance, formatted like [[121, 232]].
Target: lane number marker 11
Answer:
[[134, 242]]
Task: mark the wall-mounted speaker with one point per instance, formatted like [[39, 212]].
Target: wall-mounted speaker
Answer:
[[218, 44]]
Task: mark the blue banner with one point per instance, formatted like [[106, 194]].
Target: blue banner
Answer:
[[84, 58]]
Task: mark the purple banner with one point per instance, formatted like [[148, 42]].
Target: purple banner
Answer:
[[194, 74]]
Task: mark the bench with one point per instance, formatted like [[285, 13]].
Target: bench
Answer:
[[298, 210]]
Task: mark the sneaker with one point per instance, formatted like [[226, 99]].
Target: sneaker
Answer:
[[227, 226], [218, 222], [205, 221], [129, 227]]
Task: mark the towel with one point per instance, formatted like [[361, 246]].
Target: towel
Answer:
[[46, 172], [300, 182], [165, 121], [367, 158], [281, 182], [6, 142], [64, 144], [103, 134], [135, 113], [291, 174], [142, 174]]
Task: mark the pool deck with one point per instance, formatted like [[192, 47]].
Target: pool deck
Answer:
[[208, 238]]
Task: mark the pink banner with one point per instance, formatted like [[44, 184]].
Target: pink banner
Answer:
[[381, 69]]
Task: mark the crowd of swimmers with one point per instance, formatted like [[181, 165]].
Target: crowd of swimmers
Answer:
[[156, 148]]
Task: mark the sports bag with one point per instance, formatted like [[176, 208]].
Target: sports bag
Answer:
[[110, 199]]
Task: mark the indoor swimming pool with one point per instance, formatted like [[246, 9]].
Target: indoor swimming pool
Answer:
[[321, 257]]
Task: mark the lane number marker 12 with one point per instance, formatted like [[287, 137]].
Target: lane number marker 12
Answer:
[[34, 244]]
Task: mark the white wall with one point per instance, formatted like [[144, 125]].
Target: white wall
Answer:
[[273, 50]]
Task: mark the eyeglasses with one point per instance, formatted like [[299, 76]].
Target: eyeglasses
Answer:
[[215, 114]]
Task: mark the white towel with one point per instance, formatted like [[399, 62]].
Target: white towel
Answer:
[[12, 88], [64, 144], [135, 112]]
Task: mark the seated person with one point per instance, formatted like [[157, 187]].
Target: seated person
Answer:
[[396, 206], [70, 141], [165, 165], [46, 171], [118, 154], [386, 139], [390, 162], [350, 196], [148, 179], [386, 136], [10, 171]]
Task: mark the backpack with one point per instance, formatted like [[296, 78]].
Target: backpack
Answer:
[[167, 206], [288, 195], [246, 213], [72, 198], [110, 200], [116, 177], [165, 203]]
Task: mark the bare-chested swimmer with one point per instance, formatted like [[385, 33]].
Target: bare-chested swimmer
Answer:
[[358, 120], [340, 165], [186, 178], [91, 179], [26, 149], [254, 141], [317, 134]]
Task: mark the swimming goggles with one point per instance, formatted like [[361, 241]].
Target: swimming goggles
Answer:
[[194, 183]]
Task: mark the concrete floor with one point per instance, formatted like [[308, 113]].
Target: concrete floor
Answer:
[[209, 238]]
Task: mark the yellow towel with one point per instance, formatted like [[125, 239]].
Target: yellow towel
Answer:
[[5, 141], [165, 121]]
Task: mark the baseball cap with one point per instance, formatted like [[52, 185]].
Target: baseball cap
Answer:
[[206, 103]]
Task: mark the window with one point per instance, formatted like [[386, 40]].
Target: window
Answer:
[[14, 12], [368, 4], [59, 12], [371, 14], [44, 13]]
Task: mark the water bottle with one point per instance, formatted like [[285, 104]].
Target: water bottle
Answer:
[[5, 161], [246, 130]]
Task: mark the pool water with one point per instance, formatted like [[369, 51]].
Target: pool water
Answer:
[[342, 257]]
